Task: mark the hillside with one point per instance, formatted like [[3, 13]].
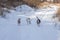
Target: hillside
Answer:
[[11, 4]]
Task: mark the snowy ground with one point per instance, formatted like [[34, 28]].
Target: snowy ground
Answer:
[[10, 30]]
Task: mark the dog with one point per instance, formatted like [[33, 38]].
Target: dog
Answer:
[[19, 20], [28, 21], [38, 21]]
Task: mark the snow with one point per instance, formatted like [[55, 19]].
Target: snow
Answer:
[[10, 30]]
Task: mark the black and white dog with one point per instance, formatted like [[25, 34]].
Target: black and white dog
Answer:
[[38, 21]]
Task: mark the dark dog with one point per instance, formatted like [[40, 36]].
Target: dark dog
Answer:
[[38, 21], [19, 21]]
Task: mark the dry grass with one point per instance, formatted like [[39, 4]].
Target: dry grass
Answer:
[[57, 4], [42, 5], [32, 3], [58, 11], [58, 14]]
